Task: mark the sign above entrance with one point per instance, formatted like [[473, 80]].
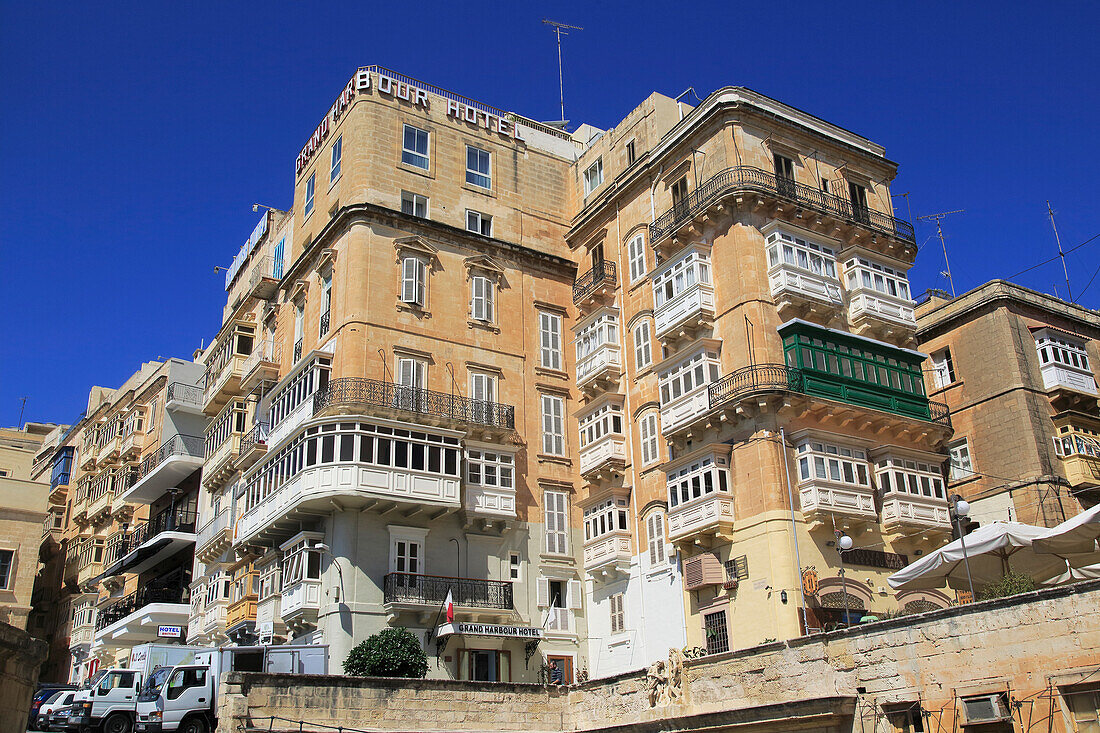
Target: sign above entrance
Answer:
[[171, 632], [510, 632]]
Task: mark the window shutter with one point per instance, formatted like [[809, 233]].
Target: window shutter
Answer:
[[408, 280], [574, 601], [420, 280], [477, 299], [542, 593], [488, 298]]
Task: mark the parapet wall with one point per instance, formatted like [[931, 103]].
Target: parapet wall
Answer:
[[1028, 646]]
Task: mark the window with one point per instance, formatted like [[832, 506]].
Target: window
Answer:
[[7, 560], [784, 174], [801, 253], [837, 463], [680, 192], [483, 393], [689, 376], [655, 533], [681, 277], [550, 340], [617, 615], [881, 366], [310, 379], [414, 274], [907, 476], [715, 633], [302, 562], [631, 155], [299, 327], [478, 163], [514, 567], [825, 185], [269, 581], [311, 189], [961, 466], [412, 372], [593, 177], [635, 249], [1084, 707], [697, 479], [603, 518], [907, 718], [864, 273], [414, 147], [943, 368], [414, 204], [326, 303], [553, 421], [643, 347], [603, 421], [407, 556], [858, 196], [481, 298], [556, 520], [479, 223], [277, 264], [1060, 350], [337, 154], [650, 438], [601, 331]]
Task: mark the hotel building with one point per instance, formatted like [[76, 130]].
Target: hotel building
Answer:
[[1018, 369]]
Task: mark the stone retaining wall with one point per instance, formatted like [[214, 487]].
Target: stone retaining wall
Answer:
[[20, 657]]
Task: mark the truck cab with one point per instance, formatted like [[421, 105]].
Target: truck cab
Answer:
[[108, 702], [178, 699]]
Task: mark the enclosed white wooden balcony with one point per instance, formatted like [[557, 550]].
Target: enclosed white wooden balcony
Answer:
[[867, 306], [701, 519], [608, 556], [601, 368], [908, 512], [606, 455]]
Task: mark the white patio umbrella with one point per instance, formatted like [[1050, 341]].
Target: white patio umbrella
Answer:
[[1075, 535], [992, 550]]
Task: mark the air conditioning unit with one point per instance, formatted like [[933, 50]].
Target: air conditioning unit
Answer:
[[702, 571], [987, 708]]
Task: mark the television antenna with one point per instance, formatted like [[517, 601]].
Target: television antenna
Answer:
[[561, 29], [1050, 213], [939, 232]]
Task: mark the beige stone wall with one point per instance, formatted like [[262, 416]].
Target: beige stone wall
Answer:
[[22, 511], [1031, 647], [20, 657]]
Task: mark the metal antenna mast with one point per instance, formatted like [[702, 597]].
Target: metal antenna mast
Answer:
[[939, 232], [1050, 213], [559, 31]]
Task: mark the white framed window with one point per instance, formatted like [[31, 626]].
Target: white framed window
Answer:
[[550, 340], [269, 581], [515, 568], [837, 463], [689, 271], [650, 431], [606, 419], [481, 298], [689, 376], [961, 465], [864, 273], [908, 476], [553, 425], [801, 253], [478, 167], [488, 468], [412, 372], [1064, 351], [311, 190], [7, 566], [556, 519], [414, 147], [604, 518], [617, 615], [479, 223], [593, 177], [635, 250], [414, 204], [655, 536], [643, 346], [408, 556], [326, 302], [943, 368], [337, 154], [299, 327], [602, 330], [698, 479], [414, 275]]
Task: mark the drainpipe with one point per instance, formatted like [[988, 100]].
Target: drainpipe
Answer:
[[794, 525]]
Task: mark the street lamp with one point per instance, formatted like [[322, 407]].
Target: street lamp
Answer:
[[843, 543], [960, 507]]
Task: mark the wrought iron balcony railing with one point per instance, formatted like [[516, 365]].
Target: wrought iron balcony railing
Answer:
[[178, 445], [431, 590], [139, 599], [748, 178], [602, 272], [169, 520], [297, 350], [256, 436], [323, 329], [190, 394], [778, 378], [356, 390]]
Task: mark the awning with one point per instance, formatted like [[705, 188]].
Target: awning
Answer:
[[1075, 535]]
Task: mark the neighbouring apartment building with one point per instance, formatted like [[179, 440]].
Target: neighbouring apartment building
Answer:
[[1018, 370]]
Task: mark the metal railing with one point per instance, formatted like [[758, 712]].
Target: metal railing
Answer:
[[748, 178], [263, 270], [139, 599], [254, 437], [189, 393], [178, 445], [602, 272], [432, 590], [778, 378], [356, 390], [297, 350], [323, 331], [179, 519], [216, 525]]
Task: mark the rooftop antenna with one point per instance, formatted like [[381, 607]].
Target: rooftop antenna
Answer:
[[939, 232], [1050, 213], [22, 406], [559, 31]]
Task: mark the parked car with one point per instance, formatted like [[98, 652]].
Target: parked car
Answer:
[[60, 699], [59, 719], [44, 692]]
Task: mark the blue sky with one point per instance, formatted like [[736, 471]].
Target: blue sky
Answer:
[[137, 136]]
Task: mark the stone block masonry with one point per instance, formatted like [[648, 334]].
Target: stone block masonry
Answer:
[[1033, 649]]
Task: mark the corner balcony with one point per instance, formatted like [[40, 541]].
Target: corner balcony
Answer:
[[135, 619], [904, 512], [601, 369], [702, 519], [151, 542], [419, 593], [214, 537], [300, 604], [174, 461], [825, 501], [603, 458], [353, 395], [881, 315], [832, 211], [683, 316], [595, 286], [220, 460], [262, 282], [608, 556], [1082, 470], [59, 491], [684, 410], [798, 292], [1060, 377], [262, 365], [223, 384], [184, 397], [253, 446]]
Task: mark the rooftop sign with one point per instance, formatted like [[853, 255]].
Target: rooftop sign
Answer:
[[253, 239]]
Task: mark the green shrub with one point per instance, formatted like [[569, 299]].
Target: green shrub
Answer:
[[1009, 585], [391, 652]]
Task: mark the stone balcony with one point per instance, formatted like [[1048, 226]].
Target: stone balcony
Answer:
[[683, 316], [300, 603], [824, 501], [601, 369], [418, 593], [214, 537], [798, 292], [701, 520], [608, 556], [223, 384], [183, 397], [176, 459], [881, 316], [603, 458], [905, 512]]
